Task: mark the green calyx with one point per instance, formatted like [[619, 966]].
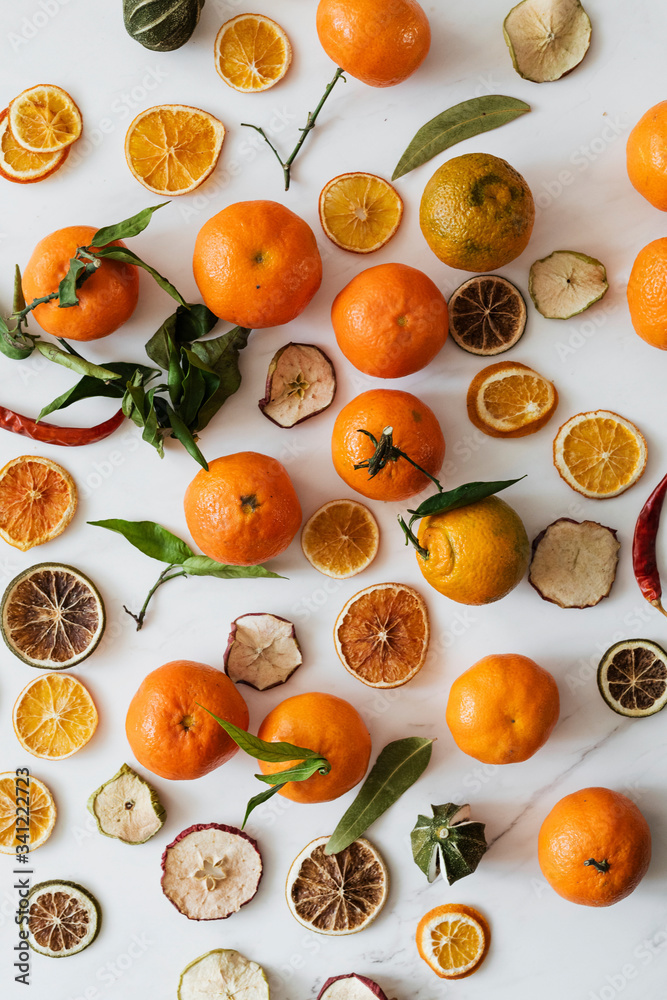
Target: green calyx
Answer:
[[602, 867], [449, 843]]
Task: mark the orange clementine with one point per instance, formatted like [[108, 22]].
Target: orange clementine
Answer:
[[333, 728], [380, 42], [390, 320], [256, 264], [647, 294], [414, 429], [594, 847], [106, 299], [243, 510], [167, 728], [503, 709], [646, 155]]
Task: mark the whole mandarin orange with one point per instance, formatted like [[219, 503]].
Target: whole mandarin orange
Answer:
[[646, 155], [390, 320], [414, 429], [256, 264], [244, 510], [106, 299], [647, 294], [167, 728], [594, 847], [333, 728]]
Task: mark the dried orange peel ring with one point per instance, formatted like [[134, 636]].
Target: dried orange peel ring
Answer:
[[600, 454]]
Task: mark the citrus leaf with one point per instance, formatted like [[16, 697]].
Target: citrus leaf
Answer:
[[188, 323], [463, 495], [396, 769], [272, 753], [257, 800], [462, 121], [204, 566], [67, 288], [126, 256], [18, 347], [184, 435], [150, 538], [125, 229], [221, 356], [76, 363], [89, 388], [300, 772]]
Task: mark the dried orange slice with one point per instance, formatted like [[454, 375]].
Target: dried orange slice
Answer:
[[360, 212], [45, 119], [20, 165], [54, 716], [510, 400], [171, 149], [32, 795], [252, 53], [37, 501], [382, 635], [453, 940], [341, 539], [600, 454]]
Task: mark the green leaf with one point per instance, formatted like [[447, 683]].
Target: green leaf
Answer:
[[204, 566], [18, 347], [272, 753], [449, 842], [88, 387], [19, 299], [221, 356], [67, 288], [188, 323], [126, 256], [396, 769], [463, 121], [125, 229], [139, 406], [150, 538], [75, 363], [184, 435], [257, 800], [469, 493], [300, 772], [193, 385]]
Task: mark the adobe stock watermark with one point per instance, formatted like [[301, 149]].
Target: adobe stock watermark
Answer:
[[32, 24], [587, 667], [584, 331]]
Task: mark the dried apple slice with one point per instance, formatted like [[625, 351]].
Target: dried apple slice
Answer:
[[566, 283], [210, 871], [127, 808], [547, 38], [263, 651], [574, 563], [300, 383], [223, 973], [351, 987]]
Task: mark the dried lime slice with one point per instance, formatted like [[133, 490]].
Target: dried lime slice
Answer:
[[127, 808], [566, 283], [487, 315], [223, 973], [632, 678], [52, 616], [63, 918], [448, 842], [547, 38]]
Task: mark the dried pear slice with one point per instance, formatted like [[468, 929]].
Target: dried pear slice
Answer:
[[566, 283], [127, 808], [632, 678], [547, 38], [351, 987], [63, 918], [223, 973], [263, 651], [300, 383]]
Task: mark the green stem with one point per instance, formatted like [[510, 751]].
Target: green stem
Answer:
[[163, 578], [308, 127], [21, 316], [600, 866], [411, 538], [386, 451]]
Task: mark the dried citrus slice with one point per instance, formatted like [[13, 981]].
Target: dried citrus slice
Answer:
[[510, 400], [487, 315], [20, 165], [360, 212], [337, 894], [453, 940], [171, 149], [632, 678], [63, 918], [252, 53], [382, 634], [44, 119], [600, 454], [33, 795], [37, 501], [54, 716], [52, 616], [566, 283], [547, 38], [341, 538], [223, 973], [127, 808]]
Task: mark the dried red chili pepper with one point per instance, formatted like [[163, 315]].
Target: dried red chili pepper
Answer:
[[50, 434], [644, 559]]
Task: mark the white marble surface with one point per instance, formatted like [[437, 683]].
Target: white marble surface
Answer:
[[571, 151]]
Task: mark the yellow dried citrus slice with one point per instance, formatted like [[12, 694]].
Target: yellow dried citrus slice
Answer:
[[37, 501], [600, 454], [32, 795], [45, 119], [20, 165], [341, 539], [252, 53], [360, 212], [171, 149], [510, 400], [54, 716], [453, 940]]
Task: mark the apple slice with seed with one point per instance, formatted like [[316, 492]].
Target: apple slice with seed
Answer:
[[301, 382], [127, 808], [263, 651]]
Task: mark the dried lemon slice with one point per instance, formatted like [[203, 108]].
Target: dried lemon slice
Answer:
[[54, 716], [171, 149], [600, 454], [33, 795], [360, 212], [453, 940], [252, 53], [45, 119], [566, 283], [547, 38]]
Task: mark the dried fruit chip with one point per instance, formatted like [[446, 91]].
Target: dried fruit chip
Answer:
[[547, 38], [210, 871], [223, 973], [574, 563], [20, 165], [300, 383], [31, 793], [171, 149], [448, 842], [127, 808], [566, 283], [632, 678], [453, 940], [360, 212], [337, 894], [351, 987], [341, 539], [54, 716], [510, 400], [37, 501], [263, 651], [63, 918], [600, 454], [487, 315], [44, 119], [382, 634], [52, 616], [252, 53]]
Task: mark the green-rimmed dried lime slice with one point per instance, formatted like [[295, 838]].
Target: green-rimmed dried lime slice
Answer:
[[632, 678], [547, 38], [127, 808], [449, 842], [223, 973], [566, 283], [487, 315], [63, 918]]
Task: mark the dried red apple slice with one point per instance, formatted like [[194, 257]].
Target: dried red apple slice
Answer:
[[351, 987], [300, 383], [574, 563], [263, 651]]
